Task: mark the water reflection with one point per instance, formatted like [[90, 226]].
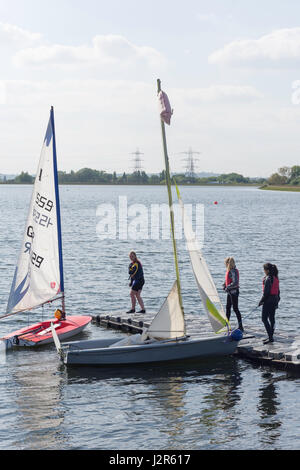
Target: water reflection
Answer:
[[268, 409], [160, 394], [216, 408], [168, 402], [38, 400]]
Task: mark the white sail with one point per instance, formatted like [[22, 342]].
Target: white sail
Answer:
[[37, 275], [169, 321], [205, 283]]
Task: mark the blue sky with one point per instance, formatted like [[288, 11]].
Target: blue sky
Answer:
[[227, 66]]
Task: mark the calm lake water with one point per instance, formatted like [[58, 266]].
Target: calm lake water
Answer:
[[225, 403]]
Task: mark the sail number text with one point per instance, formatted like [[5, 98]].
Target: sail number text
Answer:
[[41, 219], [36, 260], [44, 203]]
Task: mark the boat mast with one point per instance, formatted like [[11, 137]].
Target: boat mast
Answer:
[[61, 267], [168, 182]]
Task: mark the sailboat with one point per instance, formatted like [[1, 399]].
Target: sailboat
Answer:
[[166, 338], [39, 274]]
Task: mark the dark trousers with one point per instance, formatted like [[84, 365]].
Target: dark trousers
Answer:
[[268, 318], [233, 301]]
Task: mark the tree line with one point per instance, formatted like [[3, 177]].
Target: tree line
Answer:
[[285, 176], [89, 176]]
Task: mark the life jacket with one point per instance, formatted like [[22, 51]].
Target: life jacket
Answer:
[[275, 286], [136, 271], [232, 276]]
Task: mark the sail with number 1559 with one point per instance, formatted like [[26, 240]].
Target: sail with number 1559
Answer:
[[38, 276]]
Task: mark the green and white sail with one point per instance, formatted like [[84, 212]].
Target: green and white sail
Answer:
[[205, 283]]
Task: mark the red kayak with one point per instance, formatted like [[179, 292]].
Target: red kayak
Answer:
[[40, 333]]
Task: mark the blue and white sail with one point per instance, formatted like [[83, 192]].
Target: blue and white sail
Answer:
[[38, 276]]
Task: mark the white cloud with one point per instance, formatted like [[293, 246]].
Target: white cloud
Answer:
[[109, 49], [99, 122], [280, 48], [52, 55], [118, 48], [218, 94], [15, 36], [112, 96], [120, 96]]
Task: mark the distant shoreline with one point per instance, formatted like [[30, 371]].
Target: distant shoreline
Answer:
[[211, 185], [281, 188]]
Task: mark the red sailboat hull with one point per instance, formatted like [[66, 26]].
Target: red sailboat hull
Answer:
[[40, 333]]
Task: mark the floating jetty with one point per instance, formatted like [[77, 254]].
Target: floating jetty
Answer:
[[284, 353], [127, 324]]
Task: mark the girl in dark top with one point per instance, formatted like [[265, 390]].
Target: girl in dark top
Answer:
[[231, 286], [270, 299], [136, 276]]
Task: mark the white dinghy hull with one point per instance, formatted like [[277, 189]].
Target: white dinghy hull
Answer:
[[103, 353]]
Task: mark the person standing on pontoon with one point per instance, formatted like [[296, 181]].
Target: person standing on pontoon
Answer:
[[270, 299], [231, 286], [137, 281]]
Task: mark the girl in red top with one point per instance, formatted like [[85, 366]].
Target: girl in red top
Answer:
[[231, 286]]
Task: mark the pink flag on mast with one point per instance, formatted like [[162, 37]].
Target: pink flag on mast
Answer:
[[165, 108]]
